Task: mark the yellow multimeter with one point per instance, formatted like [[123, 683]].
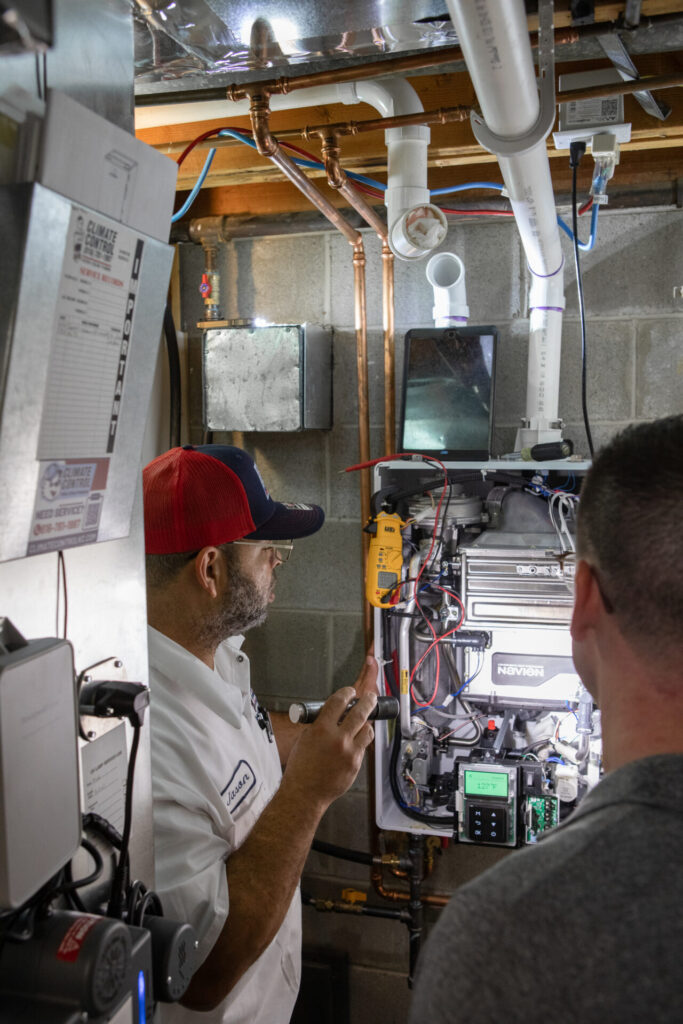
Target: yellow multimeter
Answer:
[[385, 559]]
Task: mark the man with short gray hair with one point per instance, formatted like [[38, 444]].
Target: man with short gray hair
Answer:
[[587, 925]]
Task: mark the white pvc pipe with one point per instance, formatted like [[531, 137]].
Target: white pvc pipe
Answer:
[[224, 110], [495, 44], [416, 225], [446, 274]]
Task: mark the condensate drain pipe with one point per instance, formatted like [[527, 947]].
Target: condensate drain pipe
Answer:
[[446, 274]]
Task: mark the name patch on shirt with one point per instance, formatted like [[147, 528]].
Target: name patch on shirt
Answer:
[[240, 785]]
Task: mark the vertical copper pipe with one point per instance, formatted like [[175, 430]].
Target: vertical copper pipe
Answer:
[[389, 349], [337, 178], [361, 324], [267, 145]]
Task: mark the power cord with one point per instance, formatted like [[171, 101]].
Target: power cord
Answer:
[[576, 151]]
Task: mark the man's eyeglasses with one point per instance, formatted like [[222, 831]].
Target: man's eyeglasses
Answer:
[[281, 549]]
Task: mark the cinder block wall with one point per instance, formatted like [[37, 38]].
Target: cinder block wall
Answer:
[[312, 642]]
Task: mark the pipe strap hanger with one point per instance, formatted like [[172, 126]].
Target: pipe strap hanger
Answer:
[[504, 146]]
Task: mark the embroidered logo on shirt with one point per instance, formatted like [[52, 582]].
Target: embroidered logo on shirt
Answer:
[[241, 783]]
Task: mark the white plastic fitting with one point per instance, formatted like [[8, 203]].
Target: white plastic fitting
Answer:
[[416, 226], [446, 274]]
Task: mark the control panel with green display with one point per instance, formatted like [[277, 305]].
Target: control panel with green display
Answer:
[[486, 804]]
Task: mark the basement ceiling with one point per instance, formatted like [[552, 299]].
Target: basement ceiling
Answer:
[[191, 50]]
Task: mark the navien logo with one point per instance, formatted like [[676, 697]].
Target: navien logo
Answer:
[[530, 671]]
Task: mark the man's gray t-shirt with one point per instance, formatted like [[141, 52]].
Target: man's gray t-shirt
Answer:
[[586, 927]]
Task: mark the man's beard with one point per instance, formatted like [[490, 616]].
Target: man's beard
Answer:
[[245, 606]]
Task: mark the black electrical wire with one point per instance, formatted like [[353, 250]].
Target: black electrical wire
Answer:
[[576, 151], [115, 906], [62, 586], [69, 885], [19, 924], [173, 353]]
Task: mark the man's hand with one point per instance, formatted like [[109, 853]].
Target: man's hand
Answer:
[[328, 754], [367, 677]]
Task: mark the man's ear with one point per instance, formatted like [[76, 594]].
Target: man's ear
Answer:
[[587, 601], [207, 568]]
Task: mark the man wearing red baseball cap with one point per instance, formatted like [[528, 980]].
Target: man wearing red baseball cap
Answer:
[[231, 831]]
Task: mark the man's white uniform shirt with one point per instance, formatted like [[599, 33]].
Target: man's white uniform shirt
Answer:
[[214, 769]]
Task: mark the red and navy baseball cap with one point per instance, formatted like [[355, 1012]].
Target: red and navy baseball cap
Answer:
[[211, 494]]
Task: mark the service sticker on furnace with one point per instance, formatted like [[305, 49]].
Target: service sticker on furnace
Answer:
[[68, 504], [240, 785], [92, 338]]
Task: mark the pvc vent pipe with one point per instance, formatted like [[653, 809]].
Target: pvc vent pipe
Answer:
[[416, 226], [446, 274], [494, 40]]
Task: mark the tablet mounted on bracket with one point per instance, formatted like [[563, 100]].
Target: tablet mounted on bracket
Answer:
[[447, 395]]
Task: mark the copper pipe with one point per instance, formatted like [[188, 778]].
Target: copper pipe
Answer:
[[263, 45], [268, 146], [391, 66], [444, 115], [337, 179], [361, 324], [433, 899], [389, 348], [414, 62], [652, 84]]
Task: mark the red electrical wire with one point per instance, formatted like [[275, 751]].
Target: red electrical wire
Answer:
[[200, 138], [478, 213], [435, 643]]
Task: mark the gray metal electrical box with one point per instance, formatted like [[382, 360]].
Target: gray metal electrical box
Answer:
[[267, 378], [40, 817]]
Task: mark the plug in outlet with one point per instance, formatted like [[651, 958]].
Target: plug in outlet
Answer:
[[583, 119]]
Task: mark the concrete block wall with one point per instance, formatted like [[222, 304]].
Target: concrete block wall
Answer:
[[312, 642]]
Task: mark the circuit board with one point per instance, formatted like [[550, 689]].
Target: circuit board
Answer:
[[542, 814]]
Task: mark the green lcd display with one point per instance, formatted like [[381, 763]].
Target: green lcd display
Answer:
[[486, 783]]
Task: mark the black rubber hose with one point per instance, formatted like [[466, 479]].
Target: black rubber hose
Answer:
[[447, 821], [174, 376], [358, 856], [360, 909]]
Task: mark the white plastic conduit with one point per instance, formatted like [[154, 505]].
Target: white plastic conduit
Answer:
[[416, 226], [495, 43]]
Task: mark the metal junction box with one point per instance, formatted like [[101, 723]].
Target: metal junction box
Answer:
[[267, 378]]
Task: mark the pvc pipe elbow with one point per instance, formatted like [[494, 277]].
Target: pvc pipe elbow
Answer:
[[446, 274]]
